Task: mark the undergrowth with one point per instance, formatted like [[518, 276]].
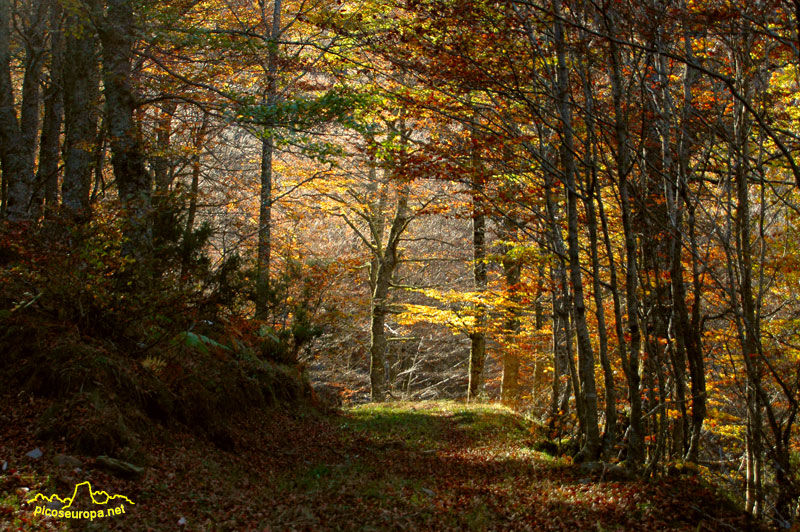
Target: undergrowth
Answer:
[[121, 344]]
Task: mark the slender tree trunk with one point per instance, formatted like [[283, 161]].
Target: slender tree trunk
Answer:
[[623, 167], [608, 374], [749, 330], [686, 340], [562, 348], [267, 156], [613, 283], [697, 370], [686, 343], [753, 450], [46, 196], [264, 229], [477, 354], [34, 38], [10, 160], [609, 438], [662, 427], [163, 177], [636, 437], [588, 394], [558, 367], [199, 142], [512, 269], [380, 298]]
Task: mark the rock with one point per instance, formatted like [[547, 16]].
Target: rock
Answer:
[[54, 505], [182, 521], [591, 467], [5, 466], [118, 467], [35, 454], [546, 446], [64, 460], [682, 469], [326, 396], [606, 471]]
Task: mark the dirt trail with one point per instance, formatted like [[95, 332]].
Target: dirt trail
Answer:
[[400, 466]]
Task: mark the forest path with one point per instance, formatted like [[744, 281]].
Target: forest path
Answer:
[[450, 466], [394, 466]]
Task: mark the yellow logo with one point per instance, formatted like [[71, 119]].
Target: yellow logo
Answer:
[[98, 497]]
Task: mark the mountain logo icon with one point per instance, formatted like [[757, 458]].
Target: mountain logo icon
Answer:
[[55, 506]]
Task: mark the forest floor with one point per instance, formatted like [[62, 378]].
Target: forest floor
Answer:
[[397, 466]]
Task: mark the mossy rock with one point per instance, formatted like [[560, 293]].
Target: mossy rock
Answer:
[[92, 425], [197, 404], [546, 446]]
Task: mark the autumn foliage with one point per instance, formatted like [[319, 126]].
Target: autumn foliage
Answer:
[[586, 211]]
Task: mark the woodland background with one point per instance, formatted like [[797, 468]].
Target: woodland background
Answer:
[[587, 210]]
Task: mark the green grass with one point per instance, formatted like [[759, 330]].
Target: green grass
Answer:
[[421, 424]]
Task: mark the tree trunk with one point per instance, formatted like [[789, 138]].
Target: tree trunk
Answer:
[[34, 39], [199, 141], [748, 322], [81, 93], [264, 229], [163, 176], [697, 370], [16, 151], [134, 182], [562, 346], [267, 156], [512, 269], [477, 354], [588, 395], [609, 438], [387, 263], [635, 455], [46, 194]]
